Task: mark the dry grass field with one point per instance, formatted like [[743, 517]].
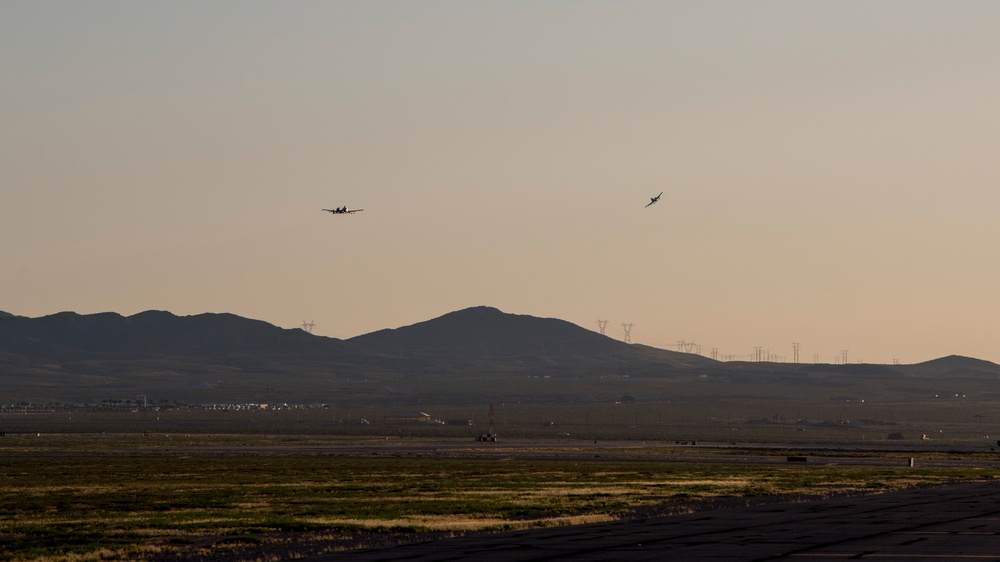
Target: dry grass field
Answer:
[[192, 484], [150, 495]]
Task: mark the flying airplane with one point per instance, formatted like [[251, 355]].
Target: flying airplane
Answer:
[[343, 211], [654, 199]]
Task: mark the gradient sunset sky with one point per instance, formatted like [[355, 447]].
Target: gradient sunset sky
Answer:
[[830, 170]]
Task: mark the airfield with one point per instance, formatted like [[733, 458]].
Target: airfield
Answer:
[[948, 522], [305, 448], [165, 487]]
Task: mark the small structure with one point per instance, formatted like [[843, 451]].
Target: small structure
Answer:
[[414, 417], [492, 435]]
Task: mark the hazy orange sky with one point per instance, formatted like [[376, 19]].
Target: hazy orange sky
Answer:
[[830, 169]]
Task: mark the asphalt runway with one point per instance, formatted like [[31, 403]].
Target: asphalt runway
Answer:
[[949, 522]]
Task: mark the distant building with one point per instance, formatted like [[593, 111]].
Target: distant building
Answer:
[[408, 418]]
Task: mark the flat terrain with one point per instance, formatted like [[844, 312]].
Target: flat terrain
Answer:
[[947, 522], [165, 496]]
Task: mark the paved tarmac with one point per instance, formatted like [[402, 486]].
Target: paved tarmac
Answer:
[[949, 522]]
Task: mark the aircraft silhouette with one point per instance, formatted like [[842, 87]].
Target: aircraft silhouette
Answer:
[[654, 199], [343, 211]]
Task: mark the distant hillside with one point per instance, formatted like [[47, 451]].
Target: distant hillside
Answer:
[[475, 328], [476, 352], [68, 357], [858, 369], [953, 366], [219, 357], [68, 335], [485, 334]]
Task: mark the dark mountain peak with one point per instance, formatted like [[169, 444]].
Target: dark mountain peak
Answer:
[[961, 361], [74, 322], [149, 315], [70, 316], [5, 314], [471, 327], [478, 310], [490, 320], [222, 332], [954, 366], [156, 332], [205, 320], [482, 335]]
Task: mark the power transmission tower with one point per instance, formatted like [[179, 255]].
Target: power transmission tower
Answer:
[[843, 354], [795, 352], [628, 332], [688, 347], [603, 324], [308, 326]]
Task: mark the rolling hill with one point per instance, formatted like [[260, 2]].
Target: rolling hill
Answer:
[[954, 366], [73, 358], [489, 338]]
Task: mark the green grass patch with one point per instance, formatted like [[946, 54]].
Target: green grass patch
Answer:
[[81, 500]]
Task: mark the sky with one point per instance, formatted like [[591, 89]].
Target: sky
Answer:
[[828, 169]]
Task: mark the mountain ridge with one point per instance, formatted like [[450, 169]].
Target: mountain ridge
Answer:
[[149, 332], [70, 356], [489, 332]]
